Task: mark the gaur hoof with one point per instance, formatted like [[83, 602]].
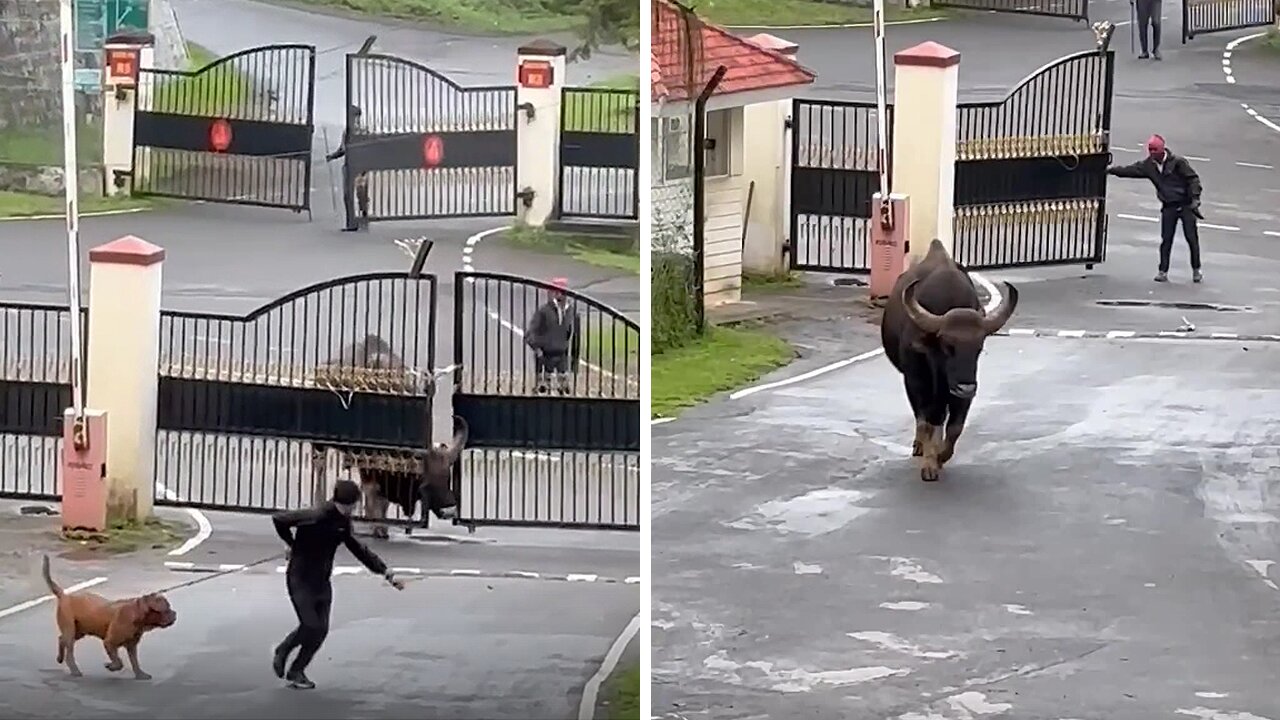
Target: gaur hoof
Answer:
[[930, 471], [916, 449], [944, 456]]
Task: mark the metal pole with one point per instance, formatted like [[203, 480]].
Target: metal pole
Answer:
[[882, 112], [71, 193]]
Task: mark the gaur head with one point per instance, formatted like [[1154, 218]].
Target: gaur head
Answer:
[[955, 338], [437, 473]]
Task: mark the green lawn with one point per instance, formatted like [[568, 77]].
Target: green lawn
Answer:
[[504, 17], [1271, 43], [603, 112], [800, 12], [617, 348], [723, 359], [618, 253], [42, 144], [624, 696], [14, 204], [203, 90], [771, 283]]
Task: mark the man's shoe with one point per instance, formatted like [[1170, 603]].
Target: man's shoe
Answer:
[[299, 681], [280, 657], [1162, 277], [1144, 56], [1196, 276], [1156, 55]]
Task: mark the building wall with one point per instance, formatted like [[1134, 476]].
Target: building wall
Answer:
[[726, 197], [30, 74]]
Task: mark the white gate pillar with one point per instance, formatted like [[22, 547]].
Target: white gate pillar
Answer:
[[124, 57], [540, 81], [924, 141]]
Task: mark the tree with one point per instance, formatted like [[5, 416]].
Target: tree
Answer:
[[608, 22]]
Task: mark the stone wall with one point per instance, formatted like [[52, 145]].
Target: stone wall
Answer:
[[30, 75]]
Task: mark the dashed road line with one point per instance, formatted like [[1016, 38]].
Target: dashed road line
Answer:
[[191, 567], [1201, 224], [1260, 166], [1137, 335], [15, 609], [1231, 78]]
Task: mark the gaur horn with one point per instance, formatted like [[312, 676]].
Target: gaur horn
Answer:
[[923, 319], [996, 320]]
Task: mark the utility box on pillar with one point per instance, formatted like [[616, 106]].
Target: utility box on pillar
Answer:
[[890, 230], [84, 471], [124, 57]]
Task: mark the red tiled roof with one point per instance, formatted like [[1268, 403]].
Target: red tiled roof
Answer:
[[748, 66]]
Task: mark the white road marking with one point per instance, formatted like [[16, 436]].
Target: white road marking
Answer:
[[831, 27], [1197, 159], [475, 240], [204, 529], [661, 421], [1209, 225], [591, 691], [103, 213], [1141, 218], [14, 610], [1215, 226], [1272, 233], [1260, 166], [1230, 76]]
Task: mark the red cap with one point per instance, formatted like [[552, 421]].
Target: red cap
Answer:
[[1155, 143], [561, 283]]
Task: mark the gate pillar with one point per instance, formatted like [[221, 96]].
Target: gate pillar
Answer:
[[539, 92], [123, 367], [125, 56], [924, 141]]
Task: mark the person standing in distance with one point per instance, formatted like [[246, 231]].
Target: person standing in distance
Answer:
[[552, 334], [1148, 12], [313, 536], [1178, 189]]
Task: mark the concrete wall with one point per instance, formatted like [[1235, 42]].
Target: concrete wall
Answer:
[[30, 75], [722, 276], [766, 165]]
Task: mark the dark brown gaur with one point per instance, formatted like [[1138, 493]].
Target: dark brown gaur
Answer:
[[933, 331]]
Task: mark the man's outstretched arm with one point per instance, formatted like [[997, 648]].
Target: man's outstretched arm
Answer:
[[367, 557], [1134, 170]]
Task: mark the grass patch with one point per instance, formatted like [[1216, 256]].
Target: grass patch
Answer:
[[723, 359], [760, 282], [614, 344], [502, 17], [124, 537], [801, 12], [216, 90], [13, 204], [623, 696], [672, 301], [603, 112], [42, 145], [607, 251], [1271, 43]]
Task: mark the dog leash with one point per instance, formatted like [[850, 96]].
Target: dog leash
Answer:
[[221, 573]]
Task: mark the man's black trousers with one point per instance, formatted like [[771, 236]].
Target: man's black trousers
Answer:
[[312, 601], [1169, 217], [1149, 12]]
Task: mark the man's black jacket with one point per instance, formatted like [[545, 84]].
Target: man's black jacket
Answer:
[[1177, 184], [314, 540], [554, 332]]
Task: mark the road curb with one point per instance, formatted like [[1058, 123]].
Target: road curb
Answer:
[[104, 213], [837, 26], [191, 567], [1135, 335]]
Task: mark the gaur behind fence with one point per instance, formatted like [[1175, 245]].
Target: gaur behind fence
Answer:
[[933, 331]]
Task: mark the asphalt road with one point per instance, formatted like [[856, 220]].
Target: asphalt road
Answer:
[[1098, 548], [453, 647]]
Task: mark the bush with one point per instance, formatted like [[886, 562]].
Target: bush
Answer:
[[673, 301]]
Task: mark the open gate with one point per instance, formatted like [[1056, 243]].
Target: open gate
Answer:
[[422, 146], [236, 131], [599, 153], [1030, 185], [1210, 16], [1071, 9]]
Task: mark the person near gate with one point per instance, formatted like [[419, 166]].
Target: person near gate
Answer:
[[552, 333], [352, 184], [1178, 189], [1148, 16]]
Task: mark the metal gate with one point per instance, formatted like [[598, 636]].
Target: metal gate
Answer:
[[553, 450], [1210, 16], [1030, 185], [1073, 9], [599, 153], [423, 147], [236, 131], [35, 389], [1031, 170]]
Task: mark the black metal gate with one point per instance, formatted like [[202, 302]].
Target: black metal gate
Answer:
[[35, 389], [1030, 186], [1073, 9], [1210, 16], [599, 153], [833, 176], [1031, 180], [422, 146], [552, 449], [235, 131]]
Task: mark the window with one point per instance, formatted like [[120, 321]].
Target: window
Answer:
[[673, 139]]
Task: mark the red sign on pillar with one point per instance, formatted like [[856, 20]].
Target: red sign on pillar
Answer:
[[122, 66], [432, 150], [536, 74], [220, 135]]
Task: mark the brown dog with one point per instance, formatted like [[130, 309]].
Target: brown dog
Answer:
[[118, 623]]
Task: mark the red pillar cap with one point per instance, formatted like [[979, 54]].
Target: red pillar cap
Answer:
[[927, 54], [128, 250]]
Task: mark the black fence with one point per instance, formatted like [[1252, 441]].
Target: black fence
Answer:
[[599, 153], [555, 439], [1209, 16], [35, 390], [236, 131], [1072, 9], [834, 173], [422, 146], [1031, 181], [263, 411]]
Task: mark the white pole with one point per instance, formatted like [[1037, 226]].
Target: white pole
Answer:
[[882, 111], [71, 193]]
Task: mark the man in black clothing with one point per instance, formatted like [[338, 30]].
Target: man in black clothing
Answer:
[[552, 334], [1178, 189], [313, 536], [1148, 12], [352, 183]]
